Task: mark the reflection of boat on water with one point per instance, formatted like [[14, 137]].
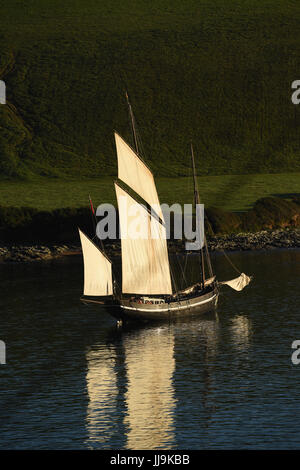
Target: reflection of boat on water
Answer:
[[130, 387], [150, 365], [149, 291], [134, 386], [102, 390]]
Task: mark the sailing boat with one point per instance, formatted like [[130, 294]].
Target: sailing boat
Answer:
[[148, 292]]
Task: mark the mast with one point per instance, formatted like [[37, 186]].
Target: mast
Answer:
[[147, 258], [132, 124], [197, 201]]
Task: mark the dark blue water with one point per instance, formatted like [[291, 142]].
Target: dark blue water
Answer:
[[74, 381]]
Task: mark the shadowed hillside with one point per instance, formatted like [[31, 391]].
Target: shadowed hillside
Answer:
[[218, 73]]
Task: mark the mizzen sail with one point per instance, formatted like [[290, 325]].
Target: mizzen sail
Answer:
[[145, 261], [97, 269], [135, 173], [239, 282]]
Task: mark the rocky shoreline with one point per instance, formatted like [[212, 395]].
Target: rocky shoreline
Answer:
[[28, 253], [264, 240]]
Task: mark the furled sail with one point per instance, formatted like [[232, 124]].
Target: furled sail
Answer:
[[145, 261], [97, 269], [133, 171], [239, 282], [190, 289]]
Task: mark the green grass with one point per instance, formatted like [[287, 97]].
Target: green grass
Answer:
[[217, 72], [227, 192]]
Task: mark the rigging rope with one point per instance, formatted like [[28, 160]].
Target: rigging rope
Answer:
[[223, 251]]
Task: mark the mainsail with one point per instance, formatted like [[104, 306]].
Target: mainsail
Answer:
[[97, 269], [145, 261], [135, 173]]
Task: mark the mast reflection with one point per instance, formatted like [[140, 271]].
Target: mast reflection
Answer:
[[241, 332]]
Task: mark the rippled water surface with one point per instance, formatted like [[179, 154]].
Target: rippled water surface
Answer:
[[225, 380]]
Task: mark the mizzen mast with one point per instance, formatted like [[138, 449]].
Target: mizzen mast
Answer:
[[197, 201]]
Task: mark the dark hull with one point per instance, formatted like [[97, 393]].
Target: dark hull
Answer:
[[195, 305]]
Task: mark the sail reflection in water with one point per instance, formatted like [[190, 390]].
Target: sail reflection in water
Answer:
[[102, 394], [130, 390], [136, 390], [150, 401]]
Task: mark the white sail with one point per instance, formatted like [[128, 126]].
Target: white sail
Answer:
[[239, 282], [145, 261], [97, 269], [133, 171]]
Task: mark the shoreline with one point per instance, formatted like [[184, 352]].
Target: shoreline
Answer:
[[263, 240]]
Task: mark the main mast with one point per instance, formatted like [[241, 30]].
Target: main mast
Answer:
[[145, 261], [132, 125]]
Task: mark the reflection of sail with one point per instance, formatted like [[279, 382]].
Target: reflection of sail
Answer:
[[240, 330], [150, 396], [102, 393], [132, 401]]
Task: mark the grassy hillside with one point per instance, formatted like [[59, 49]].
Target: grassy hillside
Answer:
[[218, 73], [226, 192]]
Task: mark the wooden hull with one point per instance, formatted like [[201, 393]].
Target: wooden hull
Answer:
[[195, 305], [192, 306]]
